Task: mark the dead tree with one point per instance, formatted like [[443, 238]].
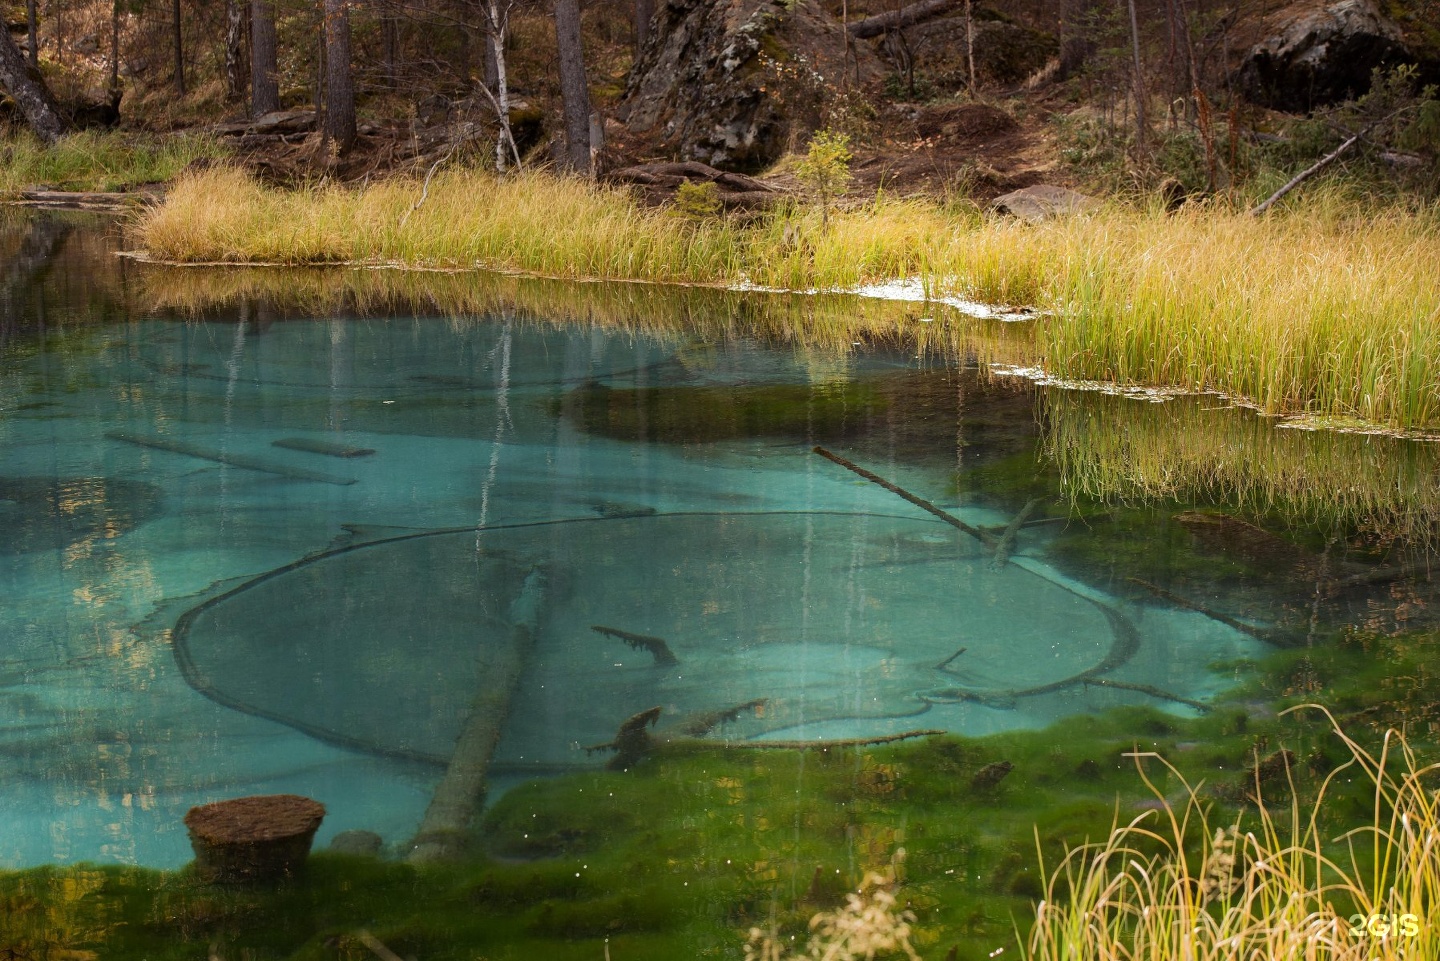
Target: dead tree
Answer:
[[237, 61]]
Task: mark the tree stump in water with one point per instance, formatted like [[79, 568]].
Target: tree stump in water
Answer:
[[253, 839]]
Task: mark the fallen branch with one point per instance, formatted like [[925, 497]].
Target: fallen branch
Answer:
[[946, 663], [984, 537], [425, 187], [1007, 539], [1156, 692], [1322, 163], [904, 17], [845, 742], [1259, 633]]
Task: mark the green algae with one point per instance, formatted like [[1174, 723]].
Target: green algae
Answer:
[[679, 855]]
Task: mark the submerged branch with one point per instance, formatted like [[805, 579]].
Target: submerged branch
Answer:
[[656, 646]]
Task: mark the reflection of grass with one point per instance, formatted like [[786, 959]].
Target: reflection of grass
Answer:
[[99, 161], [1327, 310], [1274, 892], [1119, 450], [825, 328]]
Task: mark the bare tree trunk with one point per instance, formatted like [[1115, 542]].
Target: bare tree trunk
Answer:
[[644, 13], [115, 51], [264, 84], [1141, 127], [179, 48], [32, 32], [573, 89], [970, 45], [389, 46], [339, 81], [28, 91], [237, 63]]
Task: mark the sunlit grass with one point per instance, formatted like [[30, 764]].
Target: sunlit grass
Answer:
[[1330, 309], [91, 160], [1172, 884]]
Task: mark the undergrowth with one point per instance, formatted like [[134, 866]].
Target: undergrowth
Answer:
[[99, 161]]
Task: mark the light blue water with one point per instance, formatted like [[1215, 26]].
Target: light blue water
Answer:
[[337, 614]]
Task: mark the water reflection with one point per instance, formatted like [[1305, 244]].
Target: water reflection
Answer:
[[265, 528]]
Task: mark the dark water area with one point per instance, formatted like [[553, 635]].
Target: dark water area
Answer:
[[299, 532]]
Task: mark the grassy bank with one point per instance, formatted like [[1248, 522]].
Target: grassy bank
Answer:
[[1329, 309], [99, 161]]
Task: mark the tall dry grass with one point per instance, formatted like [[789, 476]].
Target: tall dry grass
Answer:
[[1173, 885], [1329, 308]]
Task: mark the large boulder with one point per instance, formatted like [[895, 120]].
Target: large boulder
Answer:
[[727, 82], [1315, 53]]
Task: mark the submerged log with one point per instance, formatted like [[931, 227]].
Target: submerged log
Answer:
[[1007, 539], [444, 831], [655, 646], [984, 537], [323, 447], [224, 457], [258, 839]]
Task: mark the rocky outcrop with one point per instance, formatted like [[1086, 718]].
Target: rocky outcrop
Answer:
[[1316, 53], [726, 82]]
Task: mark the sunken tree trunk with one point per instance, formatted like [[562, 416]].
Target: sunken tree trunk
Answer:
[[237, 65], [573, 89], [264, 84], [179, 48], [339, 126], [25, 86]]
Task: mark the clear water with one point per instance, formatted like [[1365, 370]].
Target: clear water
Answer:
[[194, 612]]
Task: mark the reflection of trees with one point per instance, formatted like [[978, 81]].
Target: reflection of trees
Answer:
[[28, 249], [1382, 491]]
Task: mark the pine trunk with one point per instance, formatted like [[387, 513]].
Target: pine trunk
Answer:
[[264, 84], [644, 13], [339, 82], [179, 48], [32, 32], [28, 90], [237, 64], [573, 89]]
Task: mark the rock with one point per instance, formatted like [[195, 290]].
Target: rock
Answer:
[[699, 85], [1316, 53], [1042, 202], [366, 843], [258, 839], [990, 775]]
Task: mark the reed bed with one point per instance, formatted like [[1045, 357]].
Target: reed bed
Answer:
[[1328, 309], [1173, 885]]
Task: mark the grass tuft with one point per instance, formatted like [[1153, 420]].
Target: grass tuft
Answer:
[[1220, 892]]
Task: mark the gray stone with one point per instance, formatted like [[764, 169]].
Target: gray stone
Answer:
[[1041, 202], [357, 842], [700, 85], [1316, 53]]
